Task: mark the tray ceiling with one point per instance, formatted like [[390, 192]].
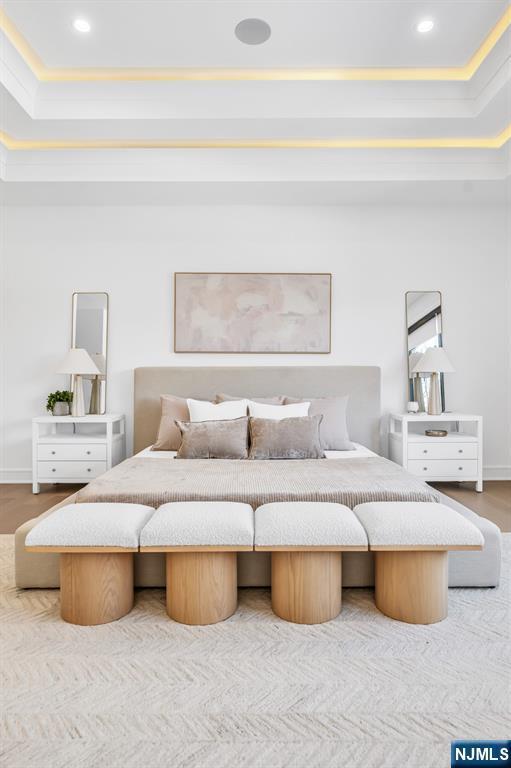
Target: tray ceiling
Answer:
[[351, 84]]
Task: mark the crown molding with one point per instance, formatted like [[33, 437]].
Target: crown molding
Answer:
[[47, 74], [488, 142]]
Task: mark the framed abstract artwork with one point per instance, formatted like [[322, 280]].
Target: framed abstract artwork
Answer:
[[249, 312]]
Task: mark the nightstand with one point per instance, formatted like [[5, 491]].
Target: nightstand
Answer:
[[456, 457], [70, 449]]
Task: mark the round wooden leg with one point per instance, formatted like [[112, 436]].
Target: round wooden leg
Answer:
[[95, 588], [306, 587], [412, 586], [202, 587]]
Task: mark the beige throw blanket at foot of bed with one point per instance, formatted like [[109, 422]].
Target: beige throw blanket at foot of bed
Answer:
[[156, 481]]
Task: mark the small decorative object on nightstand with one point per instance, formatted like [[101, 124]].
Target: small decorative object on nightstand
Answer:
[[60, 455], [457, 456]]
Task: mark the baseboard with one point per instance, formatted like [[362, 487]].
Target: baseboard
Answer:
[[497, 472], [16, 475]]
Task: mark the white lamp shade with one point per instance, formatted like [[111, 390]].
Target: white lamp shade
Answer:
[[413, 359], [78, 361], [434, 360], [99, 360]]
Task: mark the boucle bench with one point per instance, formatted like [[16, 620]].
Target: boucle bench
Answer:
[[411, 541], [306, 541], [96, 543], [200, 539]]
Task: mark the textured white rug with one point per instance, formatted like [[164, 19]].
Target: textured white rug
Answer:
[[362, 691]]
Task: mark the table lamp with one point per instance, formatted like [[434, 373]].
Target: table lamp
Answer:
[[78, 363], [434, 361]]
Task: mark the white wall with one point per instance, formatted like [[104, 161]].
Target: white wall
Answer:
[[375, 253]]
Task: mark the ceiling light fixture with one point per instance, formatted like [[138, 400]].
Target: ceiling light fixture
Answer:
[[81, 25], [253, 31], [425, 25]]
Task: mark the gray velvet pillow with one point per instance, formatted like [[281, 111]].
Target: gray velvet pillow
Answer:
[[222, 398], [213, 439], [334, 428], [293, 438]]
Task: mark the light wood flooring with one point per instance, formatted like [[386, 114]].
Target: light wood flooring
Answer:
[[18, 503]]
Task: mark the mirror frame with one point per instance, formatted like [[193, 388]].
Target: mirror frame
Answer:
[[410, 391], [74, 298]]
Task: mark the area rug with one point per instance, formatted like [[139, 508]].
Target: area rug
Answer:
[[362, 691]]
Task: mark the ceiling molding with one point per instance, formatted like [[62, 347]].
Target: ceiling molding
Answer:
[[47, 74], [488, 142]]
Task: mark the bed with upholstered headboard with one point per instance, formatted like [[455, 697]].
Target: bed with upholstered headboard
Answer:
[[360, 382], [153, 477]]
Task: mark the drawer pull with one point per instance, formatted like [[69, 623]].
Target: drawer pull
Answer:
[[88, 453], [460, 450], [53, 453], [425, 450], [460, 468], [90, 470], [425, 469], [54, 470]]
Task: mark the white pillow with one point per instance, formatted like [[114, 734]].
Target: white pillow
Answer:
[[203, 410], [277, 412]]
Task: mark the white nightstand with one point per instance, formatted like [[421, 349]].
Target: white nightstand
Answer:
[[456, 457], [69, 449]]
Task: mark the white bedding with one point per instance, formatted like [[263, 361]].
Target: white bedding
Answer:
[[360, 452]]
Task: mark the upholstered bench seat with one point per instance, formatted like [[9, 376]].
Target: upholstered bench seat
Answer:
[[308, 525], [201, 539], [96, 543], [306, 541], [411, 541], [220, 525], [101, 525]]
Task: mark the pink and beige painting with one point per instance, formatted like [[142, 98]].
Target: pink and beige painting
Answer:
[[252, 312]]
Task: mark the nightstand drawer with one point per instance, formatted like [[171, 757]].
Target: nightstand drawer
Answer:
[[447, 450], [60, 470], [447, 468], [67, 452]]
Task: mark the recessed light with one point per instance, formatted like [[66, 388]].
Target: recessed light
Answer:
[[425, 25], [253, 31], [81, 25]]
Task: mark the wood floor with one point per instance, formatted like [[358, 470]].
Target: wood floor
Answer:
[[18, 503]]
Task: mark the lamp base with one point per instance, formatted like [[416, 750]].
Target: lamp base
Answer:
[[95, 395], [78, 404], [434, 399]]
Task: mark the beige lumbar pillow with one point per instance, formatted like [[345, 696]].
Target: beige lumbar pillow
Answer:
[[169, 435], [294, 438], [214, 439]]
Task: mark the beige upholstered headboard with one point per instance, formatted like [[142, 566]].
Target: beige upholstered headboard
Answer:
[[362, 383]]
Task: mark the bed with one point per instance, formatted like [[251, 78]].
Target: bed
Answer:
[[349, 477]]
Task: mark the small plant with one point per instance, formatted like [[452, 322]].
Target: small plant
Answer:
[[58, 397]]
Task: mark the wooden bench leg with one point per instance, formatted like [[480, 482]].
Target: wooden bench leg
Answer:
[[202, 587], [306, 587], [95, 588], [412, 586]]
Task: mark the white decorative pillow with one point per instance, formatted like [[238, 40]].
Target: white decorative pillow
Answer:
[[277, 412], [202, 410]]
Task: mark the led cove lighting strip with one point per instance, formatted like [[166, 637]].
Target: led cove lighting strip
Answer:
[[47, 74], [493, 142]]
